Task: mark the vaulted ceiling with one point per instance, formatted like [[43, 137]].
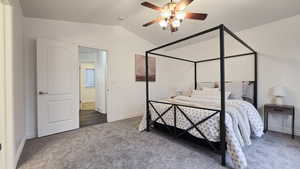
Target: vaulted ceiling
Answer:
[[235, 14]]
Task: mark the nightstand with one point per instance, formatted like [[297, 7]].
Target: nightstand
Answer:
[[282, 109]]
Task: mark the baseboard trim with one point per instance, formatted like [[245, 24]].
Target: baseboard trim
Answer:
[[138, 114], [30, 135], [19, 151], [285, 130]]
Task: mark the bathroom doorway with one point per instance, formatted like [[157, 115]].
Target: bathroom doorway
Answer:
[[93, 84]]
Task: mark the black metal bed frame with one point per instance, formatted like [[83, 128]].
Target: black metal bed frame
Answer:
[[221, 28]]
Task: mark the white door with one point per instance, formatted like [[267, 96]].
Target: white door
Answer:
[[58, 87]]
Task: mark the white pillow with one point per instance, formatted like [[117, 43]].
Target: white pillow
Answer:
[[210, 94], [187, 92], [206, 91], [210, 89], [236, 89], [201, 85], [196, 92], [181, 97]]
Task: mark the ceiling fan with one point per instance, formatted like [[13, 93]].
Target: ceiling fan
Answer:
[[173, 14]]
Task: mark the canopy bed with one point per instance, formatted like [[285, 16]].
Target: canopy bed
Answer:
[[208, 122]]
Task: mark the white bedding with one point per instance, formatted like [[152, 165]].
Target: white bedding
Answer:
[[242, 119]]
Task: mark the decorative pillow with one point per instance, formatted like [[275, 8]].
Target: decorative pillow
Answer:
[[212, 95], [248, 91], [210, 89], [187, 92], [236, 89], [196, 92], [248, 88], [240, 90], [201, 85]]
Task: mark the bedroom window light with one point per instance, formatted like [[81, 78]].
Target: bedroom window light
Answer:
[[90, 80]]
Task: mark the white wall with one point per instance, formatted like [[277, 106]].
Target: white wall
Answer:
[[14, 82], [126, 97], [278, 49]]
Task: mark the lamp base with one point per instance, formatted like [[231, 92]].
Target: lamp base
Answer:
[[279, 100]]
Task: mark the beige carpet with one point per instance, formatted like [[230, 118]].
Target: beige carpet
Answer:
[[119, 145]]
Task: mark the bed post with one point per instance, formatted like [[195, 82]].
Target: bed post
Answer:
[[255, 80], [222, 113], [147, 92], [195, 74]]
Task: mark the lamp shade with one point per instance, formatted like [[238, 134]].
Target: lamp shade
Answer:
[[279, 91]]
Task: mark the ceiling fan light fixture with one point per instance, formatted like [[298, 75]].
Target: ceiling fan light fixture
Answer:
[[172, 14], [175, 23], [163, 23], [180, 15], [166, 13]]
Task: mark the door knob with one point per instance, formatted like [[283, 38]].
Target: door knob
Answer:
[[42, 93]]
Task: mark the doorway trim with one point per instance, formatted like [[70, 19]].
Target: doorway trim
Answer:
[[8, 158]]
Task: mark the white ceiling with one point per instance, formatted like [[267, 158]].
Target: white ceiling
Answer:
[[235, 14]]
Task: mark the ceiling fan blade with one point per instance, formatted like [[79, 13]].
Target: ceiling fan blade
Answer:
[[150, 5], [197, 16], [152, 22], [182, 4]]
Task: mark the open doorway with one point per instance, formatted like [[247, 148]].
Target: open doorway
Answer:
[[93, 75]]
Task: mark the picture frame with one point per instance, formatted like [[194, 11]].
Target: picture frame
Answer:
[[140, 70]]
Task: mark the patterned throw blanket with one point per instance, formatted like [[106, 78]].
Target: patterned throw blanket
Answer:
[[241, 119]]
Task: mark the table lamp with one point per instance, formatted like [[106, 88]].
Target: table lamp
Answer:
[[278, 93]]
